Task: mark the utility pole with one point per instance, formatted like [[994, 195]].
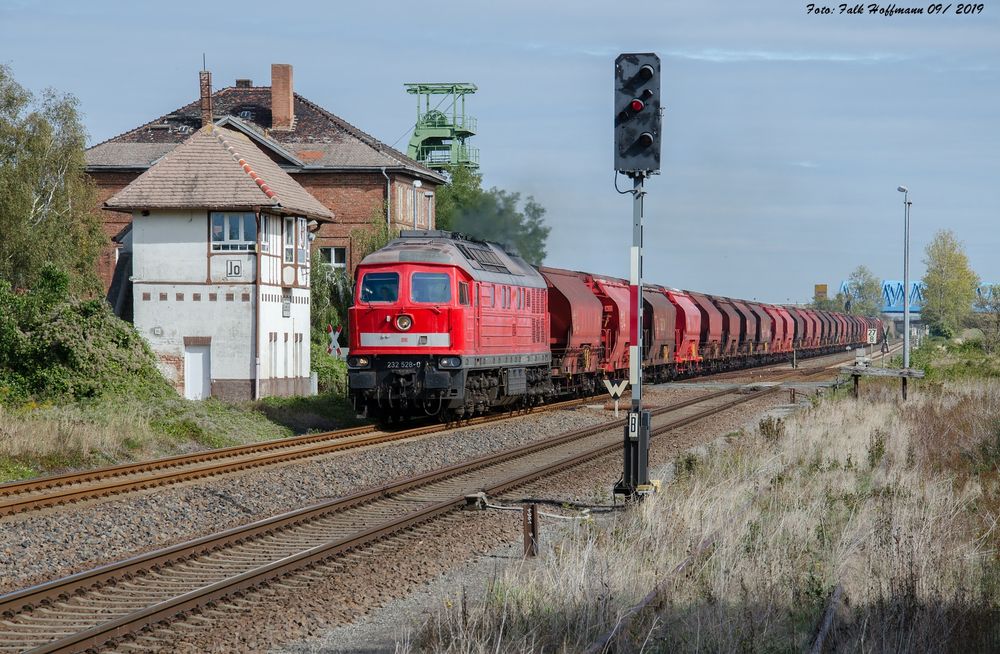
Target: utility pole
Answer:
[[906, 281], [637, 155]]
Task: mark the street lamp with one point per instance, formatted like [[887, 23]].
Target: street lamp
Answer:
[[416, 186], [906, 281]]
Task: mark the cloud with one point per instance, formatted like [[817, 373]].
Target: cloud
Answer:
[[736, 56]]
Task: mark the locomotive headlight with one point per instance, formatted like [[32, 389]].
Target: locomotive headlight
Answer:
[[449, 362], [403, 322], [358, 362]]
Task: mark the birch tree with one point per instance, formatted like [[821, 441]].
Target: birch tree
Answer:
[[46, 200]]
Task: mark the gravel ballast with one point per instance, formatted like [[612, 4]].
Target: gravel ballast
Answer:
[[36, 547], [299, 611], [393, 626]]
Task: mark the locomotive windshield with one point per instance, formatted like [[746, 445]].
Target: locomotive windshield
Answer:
[[380, 287], [430, 287]]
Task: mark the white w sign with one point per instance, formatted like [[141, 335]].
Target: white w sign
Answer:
[[616, 390]]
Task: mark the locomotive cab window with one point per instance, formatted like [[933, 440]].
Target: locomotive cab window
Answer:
[[430, 288], [380, 287], [463, 293]]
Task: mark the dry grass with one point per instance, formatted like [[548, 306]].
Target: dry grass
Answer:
[[899, 509], [53, 437]]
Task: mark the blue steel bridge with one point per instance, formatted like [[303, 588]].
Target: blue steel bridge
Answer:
[[892, 295]]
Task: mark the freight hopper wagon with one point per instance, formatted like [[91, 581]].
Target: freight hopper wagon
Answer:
[[447, 326]]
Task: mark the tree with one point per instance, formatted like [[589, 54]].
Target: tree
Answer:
[[950, 284], [378, 233], [865, 291], [989, 303], [461, 191], [46, 201], [494, 215], [835, 303]]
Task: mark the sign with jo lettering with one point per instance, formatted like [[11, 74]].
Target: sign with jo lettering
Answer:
[[234, 268]]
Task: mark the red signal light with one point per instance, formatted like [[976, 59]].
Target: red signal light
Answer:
[[637, 105]]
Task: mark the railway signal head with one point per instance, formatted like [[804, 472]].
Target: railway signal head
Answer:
[[637, 113]]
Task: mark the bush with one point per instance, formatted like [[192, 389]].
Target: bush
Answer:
[[54, 347], [332, 372]]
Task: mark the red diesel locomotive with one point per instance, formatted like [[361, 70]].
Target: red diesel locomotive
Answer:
[[449, 326]]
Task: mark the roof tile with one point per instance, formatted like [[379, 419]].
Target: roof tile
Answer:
[[217, 168], [319, 138]]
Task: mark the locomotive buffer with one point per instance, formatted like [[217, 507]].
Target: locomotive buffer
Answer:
[[637, 155]]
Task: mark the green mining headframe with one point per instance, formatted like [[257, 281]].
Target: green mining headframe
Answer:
[[441, 131]]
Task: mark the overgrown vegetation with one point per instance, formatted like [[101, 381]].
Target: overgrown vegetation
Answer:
[[79, 387], [57, 348], [948, 360], [898, 509]]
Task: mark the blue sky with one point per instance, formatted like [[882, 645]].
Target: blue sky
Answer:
[[786, 134]]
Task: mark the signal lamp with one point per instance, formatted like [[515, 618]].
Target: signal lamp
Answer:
[[645, 139], [637, 105], [449, 362], [403, 322], [358, 362], [646, 72]]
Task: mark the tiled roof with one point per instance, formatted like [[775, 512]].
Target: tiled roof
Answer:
[[318, 138], [217, 168]]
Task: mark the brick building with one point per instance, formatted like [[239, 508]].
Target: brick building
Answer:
[[350, 172]]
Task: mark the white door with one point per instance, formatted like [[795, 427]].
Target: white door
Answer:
[[197, 371]]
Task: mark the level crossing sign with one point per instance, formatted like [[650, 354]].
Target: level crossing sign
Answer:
[[334, 345]]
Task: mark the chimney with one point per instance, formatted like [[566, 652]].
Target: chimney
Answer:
[[282, 97], [244, 83], [206, 97]]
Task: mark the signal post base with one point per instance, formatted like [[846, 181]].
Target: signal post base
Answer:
[[635, 477]]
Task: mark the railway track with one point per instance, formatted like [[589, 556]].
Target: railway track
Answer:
[[34, 494], [107, 603], [825, 364]]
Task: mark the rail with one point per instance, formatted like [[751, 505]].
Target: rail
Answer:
[[93, 607]]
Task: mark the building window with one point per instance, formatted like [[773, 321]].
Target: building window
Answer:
[[265, 233], [302, 241], [234, 231], [289, 240], [335, 257]]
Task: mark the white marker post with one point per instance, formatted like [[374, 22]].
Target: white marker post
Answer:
[[615, 391]]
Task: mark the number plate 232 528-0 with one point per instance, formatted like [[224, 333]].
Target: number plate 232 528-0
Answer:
[[401, 364]]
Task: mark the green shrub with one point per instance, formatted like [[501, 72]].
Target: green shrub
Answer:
[[332, 372], [55, 347]]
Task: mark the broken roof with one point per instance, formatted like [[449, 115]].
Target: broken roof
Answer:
[[318, 140], [218, 168]]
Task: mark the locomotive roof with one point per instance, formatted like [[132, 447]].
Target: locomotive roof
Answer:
[[483, 261]]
